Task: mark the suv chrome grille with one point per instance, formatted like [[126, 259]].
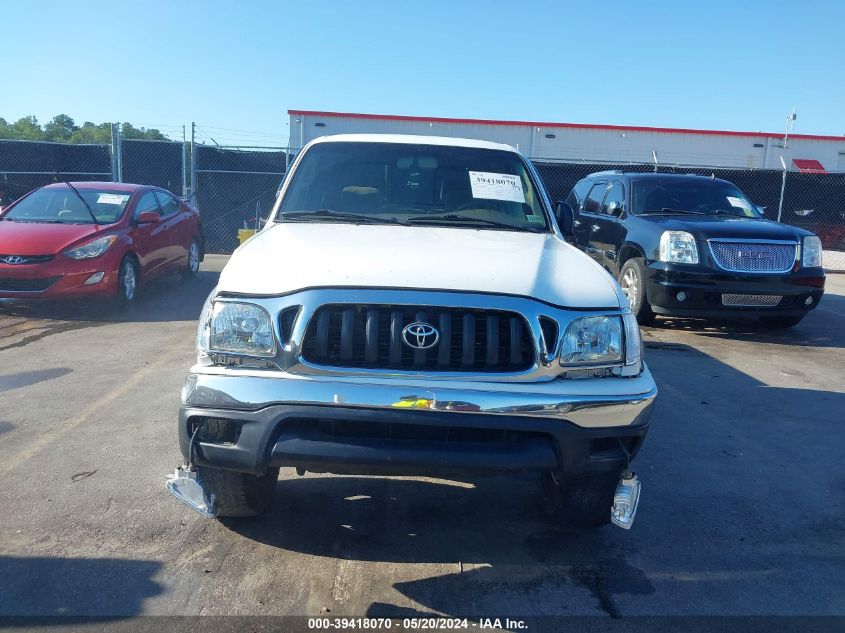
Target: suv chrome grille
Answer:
[[750, 300], [370, 336], [754, 257]]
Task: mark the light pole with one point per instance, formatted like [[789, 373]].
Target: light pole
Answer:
[[790, 124]]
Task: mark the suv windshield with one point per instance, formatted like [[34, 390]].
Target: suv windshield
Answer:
[[415, 185], [692, 195], [62, 205]]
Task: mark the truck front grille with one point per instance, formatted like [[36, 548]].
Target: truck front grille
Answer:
[[371, 336], [754, 257]]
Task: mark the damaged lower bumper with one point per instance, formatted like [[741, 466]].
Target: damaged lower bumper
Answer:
[[355, 427]]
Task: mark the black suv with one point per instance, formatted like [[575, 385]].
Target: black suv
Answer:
[[693, 246]]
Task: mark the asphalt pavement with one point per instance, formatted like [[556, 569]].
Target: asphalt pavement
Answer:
[[741, 511]]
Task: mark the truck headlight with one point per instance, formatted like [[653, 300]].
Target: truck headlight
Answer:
[[633, 340], [594, 340], [678, 247], [92, 249], [811, 252], [236, 328]]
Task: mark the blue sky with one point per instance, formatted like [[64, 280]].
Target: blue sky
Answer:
[[241, 65]]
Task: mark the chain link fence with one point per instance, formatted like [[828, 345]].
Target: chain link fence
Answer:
[[235, 188], [159, 163], [27, 165], [812, 201]]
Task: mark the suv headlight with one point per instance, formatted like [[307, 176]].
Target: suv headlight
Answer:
[[92, 249], [678, 247], [811, 252], [229, 327], [594, 340]]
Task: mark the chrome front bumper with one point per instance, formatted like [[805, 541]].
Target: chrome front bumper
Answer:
[[353, 425], [588, 403]]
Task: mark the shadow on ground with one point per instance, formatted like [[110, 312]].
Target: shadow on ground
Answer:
[[486, 528], [31, 586], [818, 329], [27, 378], [711, 534], [167, 299]]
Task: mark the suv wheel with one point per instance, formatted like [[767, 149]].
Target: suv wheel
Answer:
[[632, 281], [781, 322], [583, 502]]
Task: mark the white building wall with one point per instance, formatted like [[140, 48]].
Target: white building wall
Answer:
[[594, 144]]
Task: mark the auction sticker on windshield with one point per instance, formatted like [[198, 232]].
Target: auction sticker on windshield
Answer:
[[738, 202], [492, 186], [112, 198]]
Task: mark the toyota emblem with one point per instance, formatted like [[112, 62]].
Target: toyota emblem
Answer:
[[420, 335]]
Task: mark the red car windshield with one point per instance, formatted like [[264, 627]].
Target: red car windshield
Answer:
[[62, 205]]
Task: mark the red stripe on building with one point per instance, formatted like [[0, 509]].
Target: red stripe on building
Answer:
[[581, 126]]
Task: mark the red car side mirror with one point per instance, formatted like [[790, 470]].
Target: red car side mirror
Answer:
[[148, 217]]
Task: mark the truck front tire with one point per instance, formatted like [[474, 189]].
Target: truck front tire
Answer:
[[584, 502], [240, 494], [237, 494]]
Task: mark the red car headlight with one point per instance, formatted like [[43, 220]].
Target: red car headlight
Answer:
[[92, 249]]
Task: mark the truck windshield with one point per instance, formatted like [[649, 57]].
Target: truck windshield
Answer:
[[60, 205], [412, 184], [690, 195]]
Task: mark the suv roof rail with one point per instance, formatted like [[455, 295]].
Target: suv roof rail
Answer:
[[606, 172]]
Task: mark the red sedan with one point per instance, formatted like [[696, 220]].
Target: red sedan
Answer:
[[95, 239]]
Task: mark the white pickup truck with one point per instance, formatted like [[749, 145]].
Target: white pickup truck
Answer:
[[411, 308]]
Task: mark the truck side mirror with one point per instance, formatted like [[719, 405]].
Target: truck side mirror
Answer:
[[565, 217]]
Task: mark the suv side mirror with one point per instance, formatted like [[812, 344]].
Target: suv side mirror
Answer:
[[565, 217], [614, 209], [148, 217]]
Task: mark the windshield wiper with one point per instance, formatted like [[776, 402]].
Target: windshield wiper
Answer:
[[79, 195], [329, 214], [454, 217], [668, 211]]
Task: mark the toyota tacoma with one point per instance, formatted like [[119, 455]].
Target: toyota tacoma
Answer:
[[412, 308]]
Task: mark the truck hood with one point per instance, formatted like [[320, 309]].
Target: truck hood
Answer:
[[288, 257], [727, 226], [40, 238]]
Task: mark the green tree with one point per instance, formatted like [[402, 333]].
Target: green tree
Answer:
[[92, 133], [60, 128], [63, 129], [26, 129], [129, 131]]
